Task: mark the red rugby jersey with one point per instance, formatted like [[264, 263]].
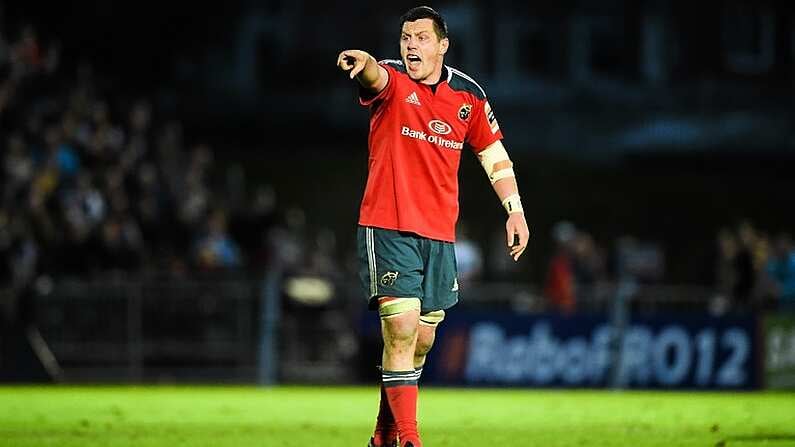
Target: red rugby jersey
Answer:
[[415, 143]]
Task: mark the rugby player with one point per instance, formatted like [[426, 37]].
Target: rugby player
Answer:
[[421, 114]]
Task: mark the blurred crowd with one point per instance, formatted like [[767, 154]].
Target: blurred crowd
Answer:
[[94, 183], [754, 269], [577, 275]]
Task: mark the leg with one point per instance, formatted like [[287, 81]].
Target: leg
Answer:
[[408, 337], [400, 339], [391, 265], [426, 334], [400, 320], [399, 329], [425, 337]]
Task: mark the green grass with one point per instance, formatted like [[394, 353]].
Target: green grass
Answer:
[[321, 416]]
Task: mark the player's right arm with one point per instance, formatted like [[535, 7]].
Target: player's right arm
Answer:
[[371, 76]]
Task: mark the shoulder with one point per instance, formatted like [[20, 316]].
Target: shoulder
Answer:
[[460, 81], [393, 63]]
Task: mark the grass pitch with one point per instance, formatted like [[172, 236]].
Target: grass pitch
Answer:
[[328, 417]]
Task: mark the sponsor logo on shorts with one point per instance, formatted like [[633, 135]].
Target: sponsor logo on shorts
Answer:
[[455, 285], [389, 278], [439, 127], [433, 139]]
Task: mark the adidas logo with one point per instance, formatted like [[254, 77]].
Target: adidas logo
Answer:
[[413, 99]]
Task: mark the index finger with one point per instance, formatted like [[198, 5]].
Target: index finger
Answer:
[[511, 234], [342, 57], [518, 253], [523, 234], [348, 56]]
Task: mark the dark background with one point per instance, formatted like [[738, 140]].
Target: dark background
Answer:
[[666, 134], [181, 181]]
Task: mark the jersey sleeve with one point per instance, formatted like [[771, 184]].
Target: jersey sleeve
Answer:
[[483, 128], [366, 98]]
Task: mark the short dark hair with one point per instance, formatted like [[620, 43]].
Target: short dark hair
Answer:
[[425, 12]]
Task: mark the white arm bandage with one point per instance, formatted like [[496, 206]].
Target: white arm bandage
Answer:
[[496, 163]]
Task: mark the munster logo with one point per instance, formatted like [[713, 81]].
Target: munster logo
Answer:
[[388, 279], [440, 127], [464, 111]]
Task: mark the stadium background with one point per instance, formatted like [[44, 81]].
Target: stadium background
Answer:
[[180, 190]]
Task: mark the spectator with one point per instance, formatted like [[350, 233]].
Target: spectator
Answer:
[[588, 268], [725, 274], [121, 247], [744, 270], [17, 167], [26, 54], [61, 154], [559, 284], [251, 226], [781, 271], [215, 249], [287, 242]]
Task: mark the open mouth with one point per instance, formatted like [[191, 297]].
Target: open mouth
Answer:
[[413, 60]]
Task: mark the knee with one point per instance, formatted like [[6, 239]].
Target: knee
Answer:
[[427, 332], [425, 341], [400, 330]]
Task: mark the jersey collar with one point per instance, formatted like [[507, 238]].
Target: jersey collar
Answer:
[[444, 77]]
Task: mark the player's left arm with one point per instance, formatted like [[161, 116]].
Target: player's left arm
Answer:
[[499, 168], [485, 137]]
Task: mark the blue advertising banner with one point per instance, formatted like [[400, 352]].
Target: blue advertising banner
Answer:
[[583, 351]]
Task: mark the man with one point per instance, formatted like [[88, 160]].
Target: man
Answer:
[[421, 113]]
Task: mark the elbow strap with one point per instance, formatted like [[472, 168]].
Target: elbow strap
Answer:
[[496, 163], [501, 174]]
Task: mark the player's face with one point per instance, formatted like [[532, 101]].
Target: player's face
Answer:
[[421, 50]]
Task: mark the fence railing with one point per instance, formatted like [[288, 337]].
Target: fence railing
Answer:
[[145, 331], [251, 331]]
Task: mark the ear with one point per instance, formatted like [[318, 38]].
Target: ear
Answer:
[[443, 46]]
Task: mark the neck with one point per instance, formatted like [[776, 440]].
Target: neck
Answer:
[[434, 77]]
